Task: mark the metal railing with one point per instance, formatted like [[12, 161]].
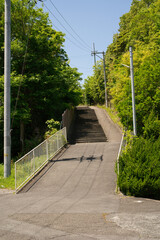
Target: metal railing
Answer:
[[29, 164], [122, 144]]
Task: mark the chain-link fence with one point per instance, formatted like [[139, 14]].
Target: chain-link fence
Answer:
[[30, 163]]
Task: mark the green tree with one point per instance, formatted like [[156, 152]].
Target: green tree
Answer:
[[94, 85], [42, 82]]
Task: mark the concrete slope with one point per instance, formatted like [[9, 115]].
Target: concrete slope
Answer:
[[76, 200]]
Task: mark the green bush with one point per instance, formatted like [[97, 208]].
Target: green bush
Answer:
[[151, 126], [53, 126], [140, 169]]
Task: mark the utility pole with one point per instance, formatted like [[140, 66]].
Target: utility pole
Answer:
[[133, 93], [104, 67], [95, 53], [7, 66]]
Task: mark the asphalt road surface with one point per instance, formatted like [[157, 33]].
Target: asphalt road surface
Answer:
[[76, 200]]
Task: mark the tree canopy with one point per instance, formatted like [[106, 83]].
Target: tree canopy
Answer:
[[43, 84], [139, 28]]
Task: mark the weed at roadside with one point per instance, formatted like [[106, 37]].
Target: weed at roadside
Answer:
[[9, 182]]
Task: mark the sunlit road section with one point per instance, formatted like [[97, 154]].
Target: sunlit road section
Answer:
[[76, 199]]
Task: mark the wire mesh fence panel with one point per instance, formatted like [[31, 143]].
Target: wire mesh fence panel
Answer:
[[40, 155], [26, 167], [52, 145], [62, 137]]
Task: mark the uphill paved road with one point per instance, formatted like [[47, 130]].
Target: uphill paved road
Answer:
[[76, 199]]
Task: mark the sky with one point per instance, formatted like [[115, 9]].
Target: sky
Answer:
[[86, 22]]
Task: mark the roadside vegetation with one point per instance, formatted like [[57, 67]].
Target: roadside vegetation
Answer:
[[113, 115], [140, 160], [9, 182], [140, 169]]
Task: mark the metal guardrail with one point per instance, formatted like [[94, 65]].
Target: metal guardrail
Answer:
[[29, 164], [126, 138], [122, 145]]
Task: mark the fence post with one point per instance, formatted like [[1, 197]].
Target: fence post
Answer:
[[34, 162], [57, 141], [15, 177], [47, 149], [65, 133]]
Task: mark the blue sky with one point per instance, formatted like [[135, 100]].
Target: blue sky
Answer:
[[92, 20]]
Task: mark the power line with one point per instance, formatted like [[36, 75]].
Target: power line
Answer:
[[58, 29], [76, 44], [82, 46], [66, 30], [78, 56], [66, 36], [70, 26]]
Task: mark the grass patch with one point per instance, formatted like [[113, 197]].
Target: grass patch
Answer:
[[9, 182], [113, 115]]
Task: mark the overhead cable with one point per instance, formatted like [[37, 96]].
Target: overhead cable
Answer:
[[79, 43], [71, 27]]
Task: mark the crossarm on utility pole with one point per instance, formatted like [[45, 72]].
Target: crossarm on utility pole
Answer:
[[95, 53]]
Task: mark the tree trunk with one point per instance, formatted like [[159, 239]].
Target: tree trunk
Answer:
[[22, 135]]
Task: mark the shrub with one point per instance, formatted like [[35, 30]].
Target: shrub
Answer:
[[151, 126], [140, 169], [53, 126]]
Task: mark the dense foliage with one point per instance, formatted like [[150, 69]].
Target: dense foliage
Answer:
[[94, 86], [140, 169], [140, 162], [139, 28], [43, 84]]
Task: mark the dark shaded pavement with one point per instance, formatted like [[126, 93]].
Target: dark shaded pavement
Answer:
[[87, 128]]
